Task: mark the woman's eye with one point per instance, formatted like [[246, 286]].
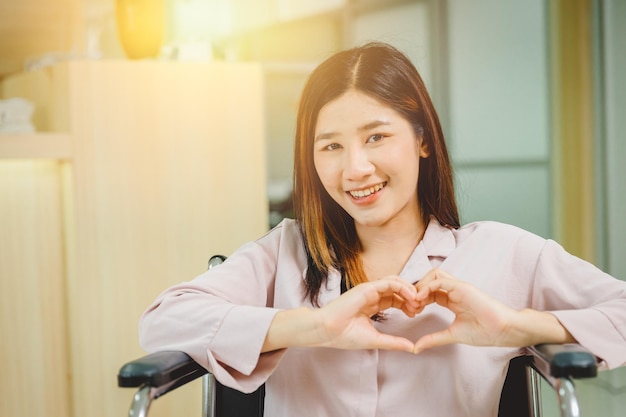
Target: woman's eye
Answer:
[[375, 138], [332, 147]]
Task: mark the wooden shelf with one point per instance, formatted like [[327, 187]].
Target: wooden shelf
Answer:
[[35, 145]]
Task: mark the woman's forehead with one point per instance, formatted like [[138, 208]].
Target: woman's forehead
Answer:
[[354, 110]]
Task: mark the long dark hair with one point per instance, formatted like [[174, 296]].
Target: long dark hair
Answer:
[[384, 73]]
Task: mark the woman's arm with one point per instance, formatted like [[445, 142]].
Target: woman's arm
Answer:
[[590, 303], [482, 320]]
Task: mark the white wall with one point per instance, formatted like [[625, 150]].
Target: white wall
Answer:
[[406, 27], [499, 111]]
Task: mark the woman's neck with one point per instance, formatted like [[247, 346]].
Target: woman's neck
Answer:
[[387, 248]]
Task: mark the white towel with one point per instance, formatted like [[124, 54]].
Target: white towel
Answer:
[[15, 116]]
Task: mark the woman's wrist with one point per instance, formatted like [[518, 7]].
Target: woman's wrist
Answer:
[[535, 327], [294, 327]]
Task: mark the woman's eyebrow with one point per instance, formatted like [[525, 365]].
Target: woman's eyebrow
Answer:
[[374, 125], [325, 135], [367, 126]]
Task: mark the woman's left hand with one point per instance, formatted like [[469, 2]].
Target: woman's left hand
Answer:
[[481, 320]]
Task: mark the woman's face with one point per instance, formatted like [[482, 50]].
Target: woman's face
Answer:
[[367, 158]]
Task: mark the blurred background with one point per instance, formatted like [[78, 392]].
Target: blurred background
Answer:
[[139, 137]]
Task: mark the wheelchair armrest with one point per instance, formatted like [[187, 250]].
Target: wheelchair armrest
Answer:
[[160, 369], [569, 360]]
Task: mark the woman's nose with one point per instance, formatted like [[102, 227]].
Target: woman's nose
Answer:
[[358, 164]]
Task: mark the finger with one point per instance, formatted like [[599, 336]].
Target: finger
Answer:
[[399, 287], [430, 289], [441, 298], [389, 342], [396, 279], [401, 302], [424, 284], [434, 274], [397, 302], [429, 341], [408, 308]]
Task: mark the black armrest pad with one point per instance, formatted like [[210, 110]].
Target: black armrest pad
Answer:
[[158, 369], [565, 360]]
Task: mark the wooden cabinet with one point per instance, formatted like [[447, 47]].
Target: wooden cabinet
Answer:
[[163, 165]]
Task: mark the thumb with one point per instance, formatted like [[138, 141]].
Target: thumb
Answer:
[[441, 338], [394, 343]]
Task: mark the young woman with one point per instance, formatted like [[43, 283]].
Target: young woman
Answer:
[[375, 301]]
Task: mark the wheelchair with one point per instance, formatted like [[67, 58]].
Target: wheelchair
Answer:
[[159, 373]]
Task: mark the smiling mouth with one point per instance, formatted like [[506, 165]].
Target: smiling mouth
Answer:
[[368, 191]]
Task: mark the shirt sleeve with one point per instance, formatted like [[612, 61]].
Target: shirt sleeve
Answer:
[[210, 317], [588, 302]]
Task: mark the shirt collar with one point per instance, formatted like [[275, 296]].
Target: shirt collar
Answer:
[[438, 240]]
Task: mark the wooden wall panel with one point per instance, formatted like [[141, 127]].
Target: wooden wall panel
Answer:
[[34, 380], [168, 168]]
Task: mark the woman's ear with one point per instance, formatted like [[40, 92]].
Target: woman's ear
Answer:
[[424, 151]]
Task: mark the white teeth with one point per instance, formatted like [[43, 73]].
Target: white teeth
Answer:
[[367, 191]]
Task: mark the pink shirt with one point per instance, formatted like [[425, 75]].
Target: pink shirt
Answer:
[[221, 319]]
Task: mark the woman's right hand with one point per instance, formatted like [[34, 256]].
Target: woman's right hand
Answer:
[[345, 323]]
